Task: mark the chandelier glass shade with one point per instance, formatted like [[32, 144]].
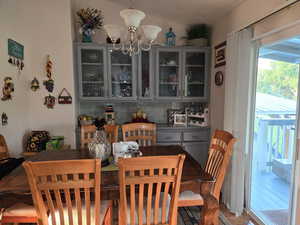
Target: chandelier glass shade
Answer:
[[134, 40]]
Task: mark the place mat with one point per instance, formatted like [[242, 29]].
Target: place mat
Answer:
[[110, 167]]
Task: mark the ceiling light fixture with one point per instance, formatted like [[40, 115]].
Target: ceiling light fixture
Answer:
[[133, 42]]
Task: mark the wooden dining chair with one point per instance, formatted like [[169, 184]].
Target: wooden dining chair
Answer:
[[18, 212], [87, 134], [67, 192], [145, 184], [219, 155], [143, 133], [3, 148]]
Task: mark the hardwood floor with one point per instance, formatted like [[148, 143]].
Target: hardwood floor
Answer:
[[244, 219]]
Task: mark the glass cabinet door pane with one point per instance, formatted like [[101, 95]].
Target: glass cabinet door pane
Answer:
[[145, 70], [118, 57], [92, 56], [121, 75], [92, 73], [194, 79], [168, 74], [93, 90]]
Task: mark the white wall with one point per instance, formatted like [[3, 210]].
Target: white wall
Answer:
[[241, 16], [43, 27]]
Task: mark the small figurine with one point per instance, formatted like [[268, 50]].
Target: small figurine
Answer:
[[7, 89], [109, 115], [35, 85], [49, 84], [4, 119], [170, 38], [49, 101], [49, 67]]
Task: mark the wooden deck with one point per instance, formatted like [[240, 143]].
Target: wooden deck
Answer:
[[270, 195]]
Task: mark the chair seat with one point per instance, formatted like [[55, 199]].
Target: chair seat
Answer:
[[19, 213], [20, 209], [103, 211], [189, 198], [152, 210]]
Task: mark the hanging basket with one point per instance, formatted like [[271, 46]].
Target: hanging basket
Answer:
[[64, 99]]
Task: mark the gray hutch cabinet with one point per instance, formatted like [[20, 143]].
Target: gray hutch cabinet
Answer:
[[178, 73], [161, 75]]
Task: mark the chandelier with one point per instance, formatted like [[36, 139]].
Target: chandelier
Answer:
[[134, 40]]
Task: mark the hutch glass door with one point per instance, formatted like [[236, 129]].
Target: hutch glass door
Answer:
[[145, 76], [194, 74], [92, 73], [121, 72], [168, 70]]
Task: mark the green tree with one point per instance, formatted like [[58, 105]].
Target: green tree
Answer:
[[281, 79]]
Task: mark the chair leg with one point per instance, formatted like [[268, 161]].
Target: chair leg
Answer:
[[108, 215], [210, 211], [216, 218]]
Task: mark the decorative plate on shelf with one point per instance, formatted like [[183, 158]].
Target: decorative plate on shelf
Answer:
[[219, 78]]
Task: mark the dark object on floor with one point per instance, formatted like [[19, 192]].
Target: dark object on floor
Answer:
[[189, 215], [8, 165]]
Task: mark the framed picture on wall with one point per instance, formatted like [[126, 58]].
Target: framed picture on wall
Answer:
[[220, 54]]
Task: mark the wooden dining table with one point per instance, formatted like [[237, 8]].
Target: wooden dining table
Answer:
[[16, 181]]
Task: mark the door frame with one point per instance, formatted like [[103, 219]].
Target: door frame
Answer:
[[293, 202]]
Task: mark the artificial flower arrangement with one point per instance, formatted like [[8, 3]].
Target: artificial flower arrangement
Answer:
[[89, 20]]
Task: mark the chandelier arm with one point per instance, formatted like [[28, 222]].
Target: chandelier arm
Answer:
[[148, 47], [124, 49], [115, 46]]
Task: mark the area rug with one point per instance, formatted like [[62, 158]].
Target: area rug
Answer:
[[189, 216]]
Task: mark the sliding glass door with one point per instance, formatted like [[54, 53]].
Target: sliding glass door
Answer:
[[274, 133]]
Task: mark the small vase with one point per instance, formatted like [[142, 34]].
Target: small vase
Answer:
[[86, 38], [87, 35]]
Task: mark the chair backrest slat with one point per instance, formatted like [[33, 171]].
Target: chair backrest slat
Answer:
[[65, 188], [87, 133], [219, 155], [143, 133], [3, 148], [147, 182]]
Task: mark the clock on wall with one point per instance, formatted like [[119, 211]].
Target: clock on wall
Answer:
[[219, 78]]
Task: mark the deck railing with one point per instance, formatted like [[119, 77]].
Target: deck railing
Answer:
[[274, 139]]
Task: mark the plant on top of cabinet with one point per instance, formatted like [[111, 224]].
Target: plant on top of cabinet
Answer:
[[197, 35], [89, 20]]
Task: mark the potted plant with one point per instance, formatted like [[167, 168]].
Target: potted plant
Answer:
[[197, 34], [89, 20]]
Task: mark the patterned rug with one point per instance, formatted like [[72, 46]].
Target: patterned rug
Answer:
[[189, 216]]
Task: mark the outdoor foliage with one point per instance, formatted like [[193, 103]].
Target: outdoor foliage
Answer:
[[281, 79]]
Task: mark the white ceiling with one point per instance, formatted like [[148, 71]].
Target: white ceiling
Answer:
[[184, 11]]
